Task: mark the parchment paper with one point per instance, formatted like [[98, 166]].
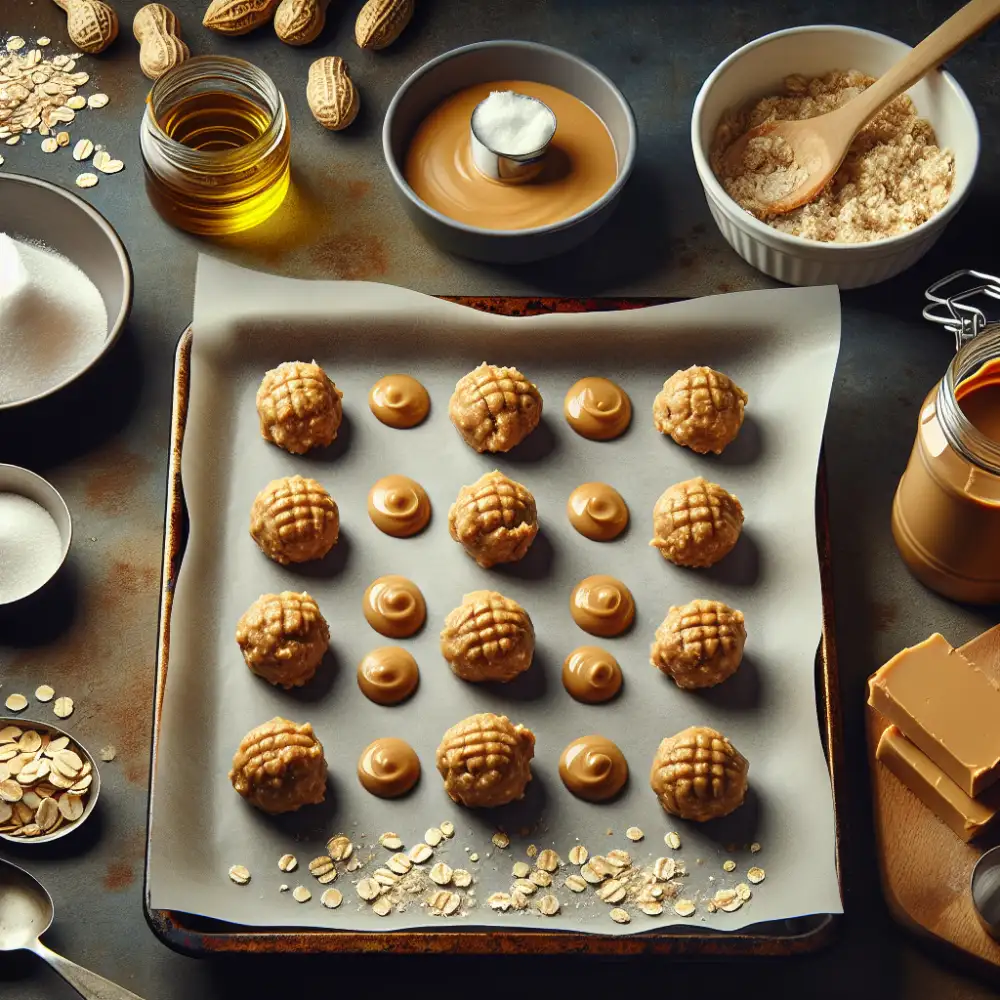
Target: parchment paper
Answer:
[[781, 346]]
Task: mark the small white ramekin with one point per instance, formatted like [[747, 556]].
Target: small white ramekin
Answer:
[[757, 70]]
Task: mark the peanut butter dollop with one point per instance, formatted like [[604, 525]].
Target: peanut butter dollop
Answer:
[[399, 401], [591, 675], [388, 767], [602, 605], [399, 506], [598, 409], [388, 675], [593, 768], [597, 511], [394, 606]]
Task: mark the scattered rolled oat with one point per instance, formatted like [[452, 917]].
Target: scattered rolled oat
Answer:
[[107, 754], [651, 907], [239, 874], [320, 866], [620, 916], [16, 703], [13, 140], [331, 899], [382, 907], [518, 899], [541, 878], [444, 902], [729, 865], [339, 847], [684, 907], [611, 892], [399, 863], [473, 856], [620, 859], [591, 875], [575, 883], [501, 840], [97, 101], [499, 901], [532, 851], [353, 865], [43, 41], [755, 875], [754, 848], [385, 878], [419, 853], [44, 693], [390, 841], [441, 873], [548, 905], [82, 150], [578, 855], [327, 878], [447, 828], [106, 164], [672, 840], [548, 861], [15, 42], [520, 869], [634, 833], [282, 887], [301, 894], [77, 102], [524, 885], [64, 706], [368, 889], [433, 836], [743, 891], [664, 869], [461, 878], [1, 161], [287, 863]]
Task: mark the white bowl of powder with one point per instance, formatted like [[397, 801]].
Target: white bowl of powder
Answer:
[[65, 289], [859, 242]]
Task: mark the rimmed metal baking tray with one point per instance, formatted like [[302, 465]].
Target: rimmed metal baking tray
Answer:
[[195, 935]]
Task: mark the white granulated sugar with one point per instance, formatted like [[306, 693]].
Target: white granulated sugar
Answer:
[[53, 321], [30, 546], [513, 124]]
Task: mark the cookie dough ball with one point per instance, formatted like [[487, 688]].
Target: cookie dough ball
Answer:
[[700, 408], [495, 408], [299, 407], [495, 519], [696, 523], [485, 760], [699, 644], [488, 637], [698, 774], [283, 638], [294, 520], [280, 767]]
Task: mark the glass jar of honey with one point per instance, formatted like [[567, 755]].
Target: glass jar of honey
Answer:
[[946, 513], [215, 142]]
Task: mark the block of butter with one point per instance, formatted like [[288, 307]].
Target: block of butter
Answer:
[[967, 817], [946, 706]]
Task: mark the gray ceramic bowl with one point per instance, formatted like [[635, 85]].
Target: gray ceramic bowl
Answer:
[[506, 60], [36, 210]]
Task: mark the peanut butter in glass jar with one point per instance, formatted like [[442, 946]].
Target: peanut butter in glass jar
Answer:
[[946, 513]]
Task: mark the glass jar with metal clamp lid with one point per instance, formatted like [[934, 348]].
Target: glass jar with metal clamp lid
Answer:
[[946, 513]]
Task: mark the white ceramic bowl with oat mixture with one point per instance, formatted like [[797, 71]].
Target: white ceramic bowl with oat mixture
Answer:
[[757, 70]]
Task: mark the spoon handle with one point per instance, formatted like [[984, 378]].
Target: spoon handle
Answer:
[[931, 52], [88, 984]]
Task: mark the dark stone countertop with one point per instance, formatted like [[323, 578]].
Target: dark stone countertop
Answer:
[[104, 444]]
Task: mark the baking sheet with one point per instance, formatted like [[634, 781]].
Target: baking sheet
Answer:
[[780, 345]]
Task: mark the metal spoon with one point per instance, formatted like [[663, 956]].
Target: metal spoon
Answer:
[[820, 144], [26, 913]]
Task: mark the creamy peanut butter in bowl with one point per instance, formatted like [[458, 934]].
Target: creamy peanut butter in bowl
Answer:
[[531, 210]]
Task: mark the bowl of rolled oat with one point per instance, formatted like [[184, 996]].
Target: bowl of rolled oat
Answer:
[[905, 176]]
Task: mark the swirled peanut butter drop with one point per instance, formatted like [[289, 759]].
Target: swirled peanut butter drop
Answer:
[[399, 401], [598, 409], [399, 506], [394, 606], [388, 675], [602, 605], [591, 675], [593, 768], [388, 767], [597, 511]]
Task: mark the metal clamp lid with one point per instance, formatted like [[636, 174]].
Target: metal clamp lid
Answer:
[[954, 311]]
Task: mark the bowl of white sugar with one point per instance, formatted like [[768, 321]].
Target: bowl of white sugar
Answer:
[[35, 533], [65, 289]]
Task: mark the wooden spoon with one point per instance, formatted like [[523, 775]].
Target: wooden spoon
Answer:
[[820, 144]]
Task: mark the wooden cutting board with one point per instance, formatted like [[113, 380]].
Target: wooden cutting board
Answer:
[[925, 868]]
